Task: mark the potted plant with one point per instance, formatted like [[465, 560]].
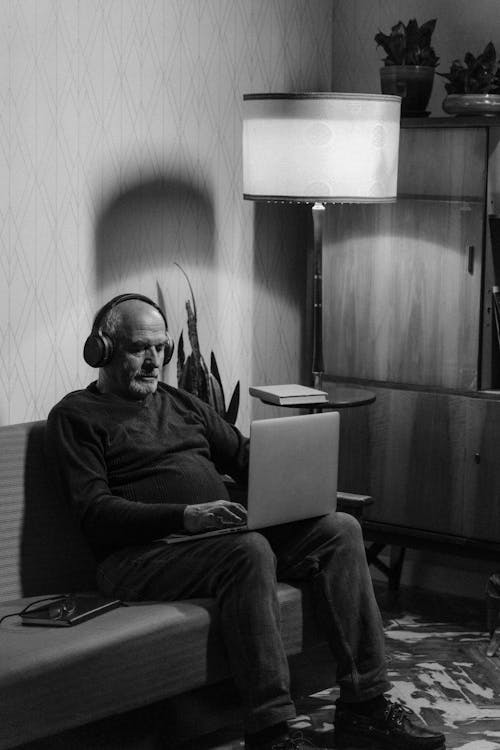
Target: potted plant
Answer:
[[409, 64], [193, 374], [473, 85]]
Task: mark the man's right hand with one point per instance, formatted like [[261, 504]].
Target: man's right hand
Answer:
[[218, 514]]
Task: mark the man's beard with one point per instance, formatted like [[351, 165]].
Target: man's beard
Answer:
[[141, 388]]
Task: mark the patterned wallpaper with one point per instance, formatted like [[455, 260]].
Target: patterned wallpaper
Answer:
[[120, 127]]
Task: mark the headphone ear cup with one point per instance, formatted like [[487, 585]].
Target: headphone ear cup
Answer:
[[168, 352], [98, 350]]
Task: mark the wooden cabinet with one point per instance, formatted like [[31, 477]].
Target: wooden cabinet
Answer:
[[407, 293]]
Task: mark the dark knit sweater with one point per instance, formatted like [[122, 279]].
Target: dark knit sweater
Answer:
[[129, 468]]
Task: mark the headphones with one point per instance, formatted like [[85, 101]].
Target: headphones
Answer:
[[98, 348]]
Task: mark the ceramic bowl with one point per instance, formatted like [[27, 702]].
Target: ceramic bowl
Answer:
[[472, 104]]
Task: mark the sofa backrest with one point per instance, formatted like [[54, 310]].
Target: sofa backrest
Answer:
[[42, 550]]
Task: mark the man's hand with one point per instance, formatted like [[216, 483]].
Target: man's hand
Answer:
[[215, 515]]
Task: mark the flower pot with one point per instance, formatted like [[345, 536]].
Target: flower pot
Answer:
[[472, 104], [413, 83]]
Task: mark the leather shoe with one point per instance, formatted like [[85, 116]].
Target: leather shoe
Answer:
[[392, 727], [294, 741]]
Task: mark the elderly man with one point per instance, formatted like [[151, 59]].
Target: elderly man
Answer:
[[138, 460]]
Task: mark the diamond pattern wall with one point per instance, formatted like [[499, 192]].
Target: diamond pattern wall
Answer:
[[120, 156]]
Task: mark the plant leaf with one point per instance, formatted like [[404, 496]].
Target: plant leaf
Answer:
[[489, 55], [216, 397], [397, 43], [184, 380], [232, 410], [475, 75], [203, 380], [161, 298], [181, 358], [410, 44], [383, 40], [215, 372], [192, 374], [426, 32]]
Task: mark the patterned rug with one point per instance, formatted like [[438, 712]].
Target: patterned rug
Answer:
[[438, 670]]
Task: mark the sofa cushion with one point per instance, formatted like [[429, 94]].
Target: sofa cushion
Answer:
[[52, 679]]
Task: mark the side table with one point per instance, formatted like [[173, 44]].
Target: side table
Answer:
[[340, 396]]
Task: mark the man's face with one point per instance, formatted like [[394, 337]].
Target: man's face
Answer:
[[139, 346]]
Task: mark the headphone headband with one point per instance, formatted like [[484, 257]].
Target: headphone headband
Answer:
[[123, 298], [98, 348]]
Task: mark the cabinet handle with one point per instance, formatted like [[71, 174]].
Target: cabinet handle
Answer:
[[470, 259]]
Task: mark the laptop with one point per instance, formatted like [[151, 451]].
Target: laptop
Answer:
[[292, 472]]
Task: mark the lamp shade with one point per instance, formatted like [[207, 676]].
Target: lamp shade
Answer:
[[321, 147]]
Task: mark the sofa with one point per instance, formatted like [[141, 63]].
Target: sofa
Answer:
[[61, 682]]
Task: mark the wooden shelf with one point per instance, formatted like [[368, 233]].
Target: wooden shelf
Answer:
[[462, 200], [492, 394], [476, 121]]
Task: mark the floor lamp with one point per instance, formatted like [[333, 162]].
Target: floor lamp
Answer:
[[320, 148]]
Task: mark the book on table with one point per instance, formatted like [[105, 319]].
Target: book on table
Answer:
[[288, 394]]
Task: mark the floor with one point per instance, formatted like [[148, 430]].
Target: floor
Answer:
[[438, 668]]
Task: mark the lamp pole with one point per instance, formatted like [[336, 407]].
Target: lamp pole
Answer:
[[318, 367]]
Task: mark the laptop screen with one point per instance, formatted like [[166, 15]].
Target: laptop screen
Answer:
[[293, 468]]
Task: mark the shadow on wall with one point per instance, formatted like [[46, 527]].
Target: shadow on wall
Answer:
[[147, 226], [282, 235]]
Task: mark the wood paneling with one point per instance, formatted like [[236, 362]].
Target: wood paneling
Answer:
[[401, 302], [407, 450], [444, 163], [482, 467]]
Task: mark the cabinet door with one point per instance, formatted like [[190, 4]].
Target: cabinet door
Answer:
[[482, 479], [407, 450], [402, 282]]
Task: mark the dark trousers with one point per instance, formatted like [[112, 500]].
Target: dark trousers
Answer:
[[240, 571]]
